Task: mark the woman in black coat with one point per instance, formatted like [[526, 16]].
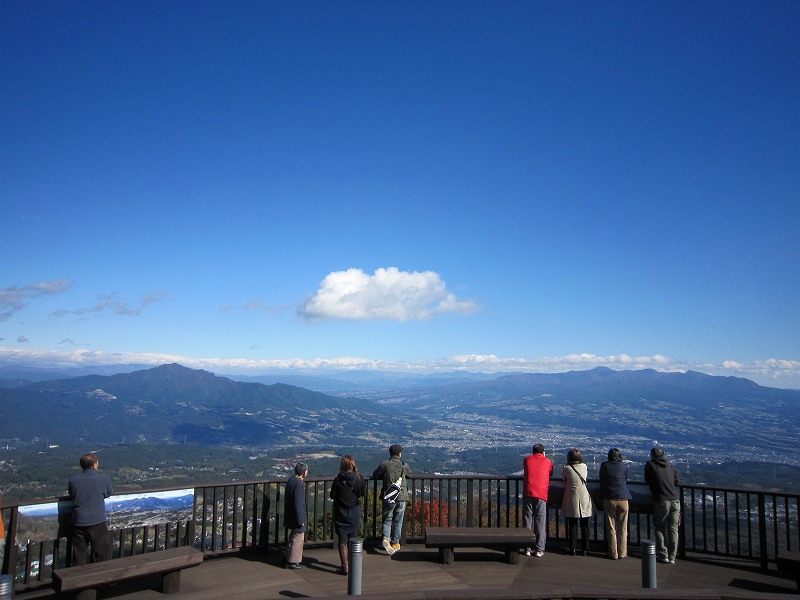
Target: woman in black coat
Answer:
[[347, 490]]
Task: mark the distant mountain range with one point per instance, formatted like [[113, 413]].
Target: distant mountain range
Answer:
[[171, 403], [603, 403], [18, 375], [602, 384], [174, 404]]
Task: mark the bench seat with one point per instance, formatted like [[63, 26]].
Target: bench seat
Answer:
[[509, 540], [85, 579], [790, 563]]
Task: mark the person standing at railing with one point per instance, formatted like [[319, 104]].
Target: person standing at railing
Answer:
[[295, 515], [2, 539], [577, 504], [346, 492], [394, 494], [88, 492], [664, 482], [537, 470], [615, 494]]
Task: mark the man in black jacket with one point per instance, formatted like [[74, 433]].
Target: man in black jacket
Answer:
[[295, 515], [664, 484]]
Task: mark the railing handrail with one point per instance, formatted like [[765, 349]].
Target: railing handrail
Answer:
[[4, 504]]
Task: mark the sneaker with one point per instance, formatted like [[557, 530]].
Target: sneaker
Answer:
[[291, 565], [539, 554], [527, 551], [396, 546], [672, 561], [387, 545], [663, 560]]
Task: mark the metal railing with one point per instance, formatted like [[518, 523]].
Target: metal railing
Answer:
[[236, 516]]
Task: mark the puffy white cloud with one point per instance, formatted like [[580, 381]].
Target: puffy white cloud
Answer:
[[771, 368], [14, 299], [388, 294]]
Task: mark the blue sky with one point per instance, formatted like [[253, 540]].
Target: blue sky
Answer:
[[422, 186]]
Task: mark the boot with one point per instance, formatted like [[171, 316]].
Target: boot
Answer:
[[344, 556]]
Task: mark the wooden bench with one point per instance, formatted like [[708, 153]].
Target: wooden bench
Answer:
[[789, 562], [85, 579], [509, 540]]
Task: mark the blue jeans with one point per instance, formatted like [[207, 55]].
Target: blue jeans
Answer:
[[393, 521], [534, 516]]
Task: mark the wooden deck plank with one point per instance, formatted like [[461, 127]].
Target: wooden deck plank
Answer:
[[415, 573]]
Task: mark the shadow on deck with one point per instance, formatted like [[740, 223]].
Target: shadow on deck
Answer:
[[416, 573]]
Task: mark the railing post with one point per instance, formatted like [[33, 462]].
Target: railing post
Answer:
[[762, 531], [266, 501], [681, 530], [10, 558], [470, 509]]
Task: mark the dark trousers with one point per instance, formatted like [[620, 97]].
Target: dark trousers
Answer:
[[572, 528], [96, 536]]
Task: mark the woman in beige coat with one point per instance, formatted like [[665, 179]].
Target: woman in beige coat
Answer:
[[577, 504]]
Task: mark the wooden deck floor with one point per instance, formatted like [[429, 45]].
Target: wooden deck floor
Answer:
[[415, 569]]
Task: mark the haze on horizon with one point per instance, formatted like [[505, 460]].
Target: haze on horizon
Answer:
[[417, 187]]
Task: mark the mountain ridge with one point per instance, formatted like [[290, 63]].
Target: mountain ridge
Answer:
[[174, 404], [166, 404]]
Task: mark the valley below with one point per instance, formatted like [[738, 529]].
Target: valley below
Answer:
[[171, 426]]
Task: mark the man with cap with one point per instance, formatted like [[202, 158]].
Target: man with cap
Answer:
[[393, 473]]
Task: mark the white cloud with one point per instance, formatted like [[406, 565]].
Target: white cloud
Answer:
[[115, 305], [769, 372], [389, 294], [14, 299], [254, 305], [771, 368]]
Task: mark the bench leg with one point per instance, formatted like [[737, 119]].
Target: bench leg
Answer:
[[171, 582], [447, 555], [512, 555], [90, 594]]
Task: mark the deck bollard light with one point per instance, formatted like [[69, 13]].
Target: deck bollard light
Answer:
[[649, 564], [6, 587], [355, 551]]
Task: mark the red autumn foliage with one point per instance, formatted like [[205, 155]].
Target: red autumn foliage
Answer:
[[433, 513]]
